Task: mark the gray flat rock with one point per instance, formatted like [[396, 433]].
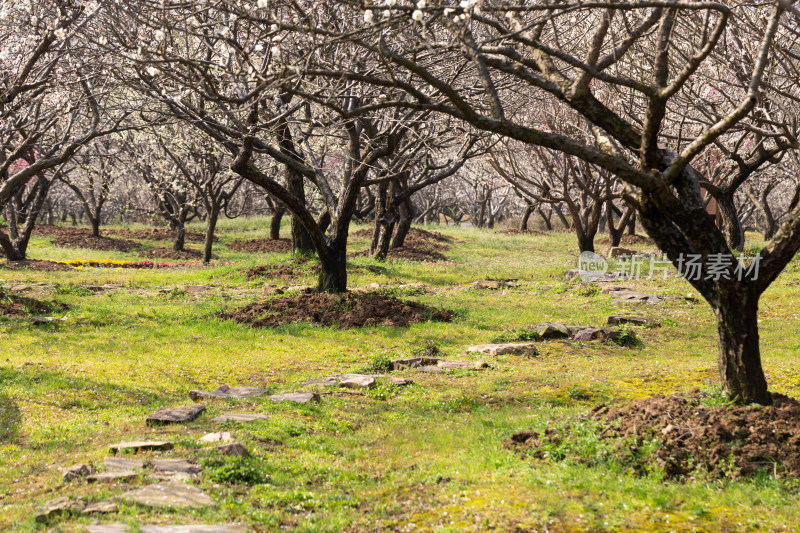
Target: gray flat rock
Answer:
[[324, 382], [176, 465], [455, 365], [174, 415], [141, 445], [172, 495], [101, 507], [634, 297], [590, 334], [108, 528], [234, 449], [121, 463], [296, 397], [225, 391], [239, 417], [76, 472], [221, 436], [120, 476], [526, 349], [58, 506], [430, 369], [551, 330], [414, 362], [400, 382], [634, 320], [356, 381]]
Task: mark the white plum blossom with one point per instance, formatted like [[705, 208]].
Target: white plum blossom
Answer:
[[369, 16], [417, 15]]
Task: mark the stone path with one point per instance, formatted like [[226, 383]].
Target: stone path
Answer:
[[634, 320], [348, 381], [174, 415], [296, 397], [139, 445], [239, 417], [169, 495], [224, 391], [526, 349], [121, 463]]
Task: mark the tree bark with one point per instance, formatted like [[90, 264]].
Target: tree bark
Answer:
[[523, 226], [275, 223], [333, 274], [211, 226], [739, 356], [407, 214], [95, 222], [301, 240], [180, 238], [732, 226]]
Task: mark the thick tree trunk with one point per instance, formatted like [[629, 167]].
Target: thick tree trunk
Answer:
[[11, 251], [732, 226], [585, 241], [333, 274], [739, 357], [632, 225], [546, 219], [301, 240], [211, 226], [407, 214], [384, 240], [275, 223], [523, 225], [180, 238], [95, 222]]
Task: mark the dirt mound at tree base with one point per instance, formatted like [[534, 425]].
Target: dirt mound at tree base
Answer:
[[16, 306], [158, 234], [349, 310], [31, 264], [169, 253], [260, 246], [79, 238], [694, 437]]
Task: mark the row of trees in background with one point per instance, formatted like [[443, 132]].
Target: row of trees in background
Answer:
[[680, 116]]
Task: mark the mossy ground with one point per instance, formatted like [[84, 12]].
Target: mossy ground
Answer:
[[429, 457]]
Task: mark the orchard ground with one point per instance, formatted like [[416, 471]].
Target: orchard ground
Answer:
[[428, 457]]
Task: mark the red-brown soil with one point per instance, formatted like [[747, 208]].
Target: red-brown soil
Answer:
[[68, 237], [349, 310], [715, 440], [169, 253], [31, 264], [16, 306], [260, 246], [420, 245], [158, 234]]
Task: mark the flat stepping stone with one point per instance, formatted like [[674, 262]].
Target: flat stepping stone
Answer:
[[102, 507], [195, 528], [120, 476], [174, 415], [121, 463], [171, 495], [527, 349], [590, 334], [400, 382], [414, 362], [239, 417], [633, 296], [430, 369], [455, 365], [76, 472], [176, 465], [234, 449], [356, 381], [634, 320], [551, 330], [141, 445], [221, 436], [59, 506], [296, 397], [225, 391], [324, 382]]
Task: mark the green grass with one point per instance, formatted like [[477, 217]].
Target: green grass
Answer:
[[428, 457]]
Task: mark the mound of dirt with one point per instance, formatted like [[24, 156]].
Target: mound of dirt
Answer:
[[717, 440], [349, 310], [158, 234], [288, 271], [627, 240], [42, 266], [15, 306], [81, 238], [169, 253], [414, 234], [260, 246], [420, 245]]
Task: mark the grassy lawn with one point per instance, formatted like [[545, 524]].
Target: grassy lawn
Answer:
[[428, 457]]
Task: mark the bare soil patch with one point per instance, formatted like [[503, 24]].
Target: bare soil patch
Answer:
[[300, 267], [82, 238], [414, 234], [32, 264], [627, 239], [260, 246], [696, 438], [349, 310], [158, 234], [420, 245], [16, 306], [169, 253]]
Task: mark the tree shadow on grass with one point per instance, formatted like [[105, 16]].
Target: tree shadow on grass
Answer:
[[10, 419]]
